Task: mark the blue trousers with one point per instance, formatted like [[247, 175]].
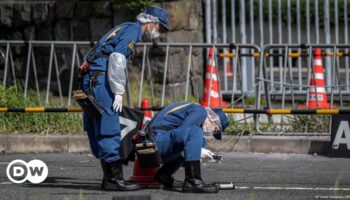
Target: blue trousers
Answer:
[[184, 139], [104, 131]]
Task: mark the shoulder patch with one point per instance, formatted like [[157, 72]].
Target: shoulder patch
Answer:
[[131, 45], [112, 34]]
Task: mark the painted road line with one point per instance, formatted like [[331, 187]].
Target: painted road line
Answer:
[[6, 183], [292, 188]]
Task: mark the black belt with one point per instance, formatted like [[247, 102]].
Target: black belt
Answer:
[[97, 73], [93, 78], [162, 128]]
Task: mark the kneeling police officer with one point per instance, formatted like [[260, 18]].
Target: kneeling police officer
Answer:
[[178, 129]]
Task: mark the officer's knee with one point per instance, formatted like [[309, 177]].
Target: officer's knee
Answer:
[[109, 149]]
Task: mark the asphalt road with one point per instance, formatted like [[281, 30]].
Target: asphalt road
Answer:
[[256, 176]]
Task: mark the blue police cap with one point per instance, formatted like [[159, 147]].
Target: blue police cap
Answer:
[[223, 120], [161, 13]]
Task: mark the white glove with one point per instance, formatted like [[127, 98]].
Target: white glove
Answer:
[[118, 103], [206, 153]]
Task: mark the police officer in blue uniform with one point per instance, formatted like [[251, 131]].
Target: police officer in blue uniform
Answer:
[[105, 79], [179, 128]]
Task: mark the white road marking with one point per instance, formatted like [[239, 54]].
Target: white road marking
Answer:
[[292, 188], [6, 183]]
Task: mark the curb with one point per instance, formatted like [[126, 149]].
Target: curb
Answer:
[[272, 144], [44, 144], [259, 144]]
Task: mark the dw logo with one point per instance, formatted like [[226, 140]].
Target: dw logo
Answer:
[[35, 171]]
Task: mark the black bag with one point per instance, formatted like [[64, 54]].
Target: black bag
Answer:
[[88, 103], [148, 155]]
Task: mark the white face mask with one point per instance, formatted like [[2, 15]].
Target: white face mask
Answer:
[[151, 35], [208, 127], [155, 34]]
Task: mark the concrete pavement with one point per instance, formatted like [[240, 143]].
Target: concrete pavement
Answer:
[[256, 176]]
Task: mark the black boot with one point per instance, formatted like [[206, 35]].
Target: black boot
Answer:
[[193, 180], [164, 174], [113, 177]]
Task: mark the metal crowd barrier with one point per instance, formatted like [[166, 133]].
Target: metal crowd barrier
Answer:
[[334, 81], [238, 80], [31, 47], [288, 81], [74, 50], [292, 84]]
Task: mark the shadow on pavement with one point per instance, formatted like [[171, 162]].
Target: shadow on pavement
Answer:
[[68, 183], [80, 184]]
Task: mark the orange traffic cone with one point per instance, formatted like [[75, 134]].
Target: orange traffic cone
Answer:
[[147, 113], [144, 176], [227, 65], [212, 93], [317, 91]]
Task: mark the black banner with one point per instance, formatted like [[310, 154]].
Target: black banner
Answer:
[[130, 122], [340, 136]]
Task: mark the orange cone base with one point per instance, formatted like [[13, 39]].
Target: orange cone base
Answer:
[[322, 106], [215, 104], [144, 176]]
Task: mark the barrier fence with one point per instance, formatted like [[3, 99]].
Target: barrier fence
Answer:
[[60, 70], [293, 85], [277, 89]]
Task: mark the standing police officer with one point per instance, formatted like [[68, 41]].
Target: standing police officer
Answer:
[[105, 79], [179, 128]]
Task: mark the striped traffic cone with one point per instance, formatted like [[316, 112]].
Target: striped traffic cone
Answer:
[[317, 91], [212, 86], [144, 176]]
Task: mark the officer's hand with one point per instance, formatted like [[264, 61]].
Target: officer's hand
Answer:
[[118, 103], [206, 153]]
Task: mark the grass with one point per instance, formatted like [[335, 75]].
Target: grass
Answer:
[[311, 123], [39, 123], [81, 195], [61, 123], [291, 124], [236, 128]]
